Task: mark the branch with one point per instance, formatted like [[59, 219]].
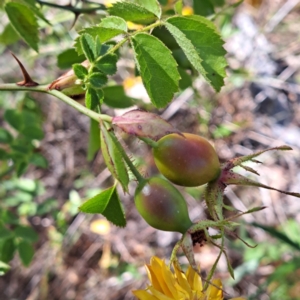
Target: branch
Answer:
[[59, 95], [73, 9]]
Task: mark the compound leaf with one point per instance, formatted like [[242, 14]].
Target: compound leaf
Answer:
[[109, 28]]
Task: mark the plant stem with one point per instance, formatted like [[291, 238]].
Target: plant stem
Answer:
[[73, 9], [44, 89], [122, 42], [80, 108]]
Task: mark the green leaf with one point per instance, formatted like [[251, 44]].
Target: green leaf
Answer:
[[26, 233], [88, 46], [186, 79], [115, 23], [47, 206], [13, 118], [150, 5], [31, 4], [114, 96], [5, 234], [108, 204], [5, 136], [98, 203], [7, 217], [197, 33], [21, 167], [109, 28], [9, 35], [7, 250], [218, 2], [113, 158], [107, 64], [132, 12], [166, 37], [26, 253], [178, 7], [24, 22], [203, 7], [33, 132], [163, 2], [157, 67], [114, 211], [80, 71], [38, 160], [67, 58], [93, 98], [181, 59], [3, 154], [94, 140], [187, 47], [97, 80]]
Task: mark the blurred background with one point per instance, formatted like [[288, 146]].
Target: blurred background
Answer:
[[79, 256]]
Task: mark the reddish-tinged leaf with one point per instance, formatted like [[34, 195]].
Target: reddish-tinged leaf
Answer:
[[144, 124]]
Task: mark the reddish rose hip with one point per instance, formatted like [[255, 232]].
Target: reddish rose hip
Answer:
[[187, 160], [162, 205]]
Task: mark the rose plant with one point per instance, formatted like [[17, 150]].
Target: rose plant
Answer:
[[169, 50]]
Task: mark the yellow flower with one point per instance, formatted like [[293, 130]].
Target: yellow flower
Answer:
[[187, 11], [166, 285]]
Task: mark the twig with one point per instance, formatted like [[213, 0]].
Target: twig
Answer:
[[280, 15], [59, 95], [73, 9]]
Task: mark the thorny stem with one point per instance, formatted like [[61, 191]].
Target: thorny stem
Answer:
[[73, 9], [44, 89]]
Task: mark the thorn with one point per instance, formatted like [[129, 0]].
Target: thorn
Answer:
[[256, 161], [27, 79], [75, 19]]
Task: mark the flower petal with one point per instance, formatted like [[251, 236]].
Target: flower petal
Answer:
[[182, 280], [156, 268], [194, 279], [160, 295], [170, 280], [213, 292], [143, 295], [155, 282]]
